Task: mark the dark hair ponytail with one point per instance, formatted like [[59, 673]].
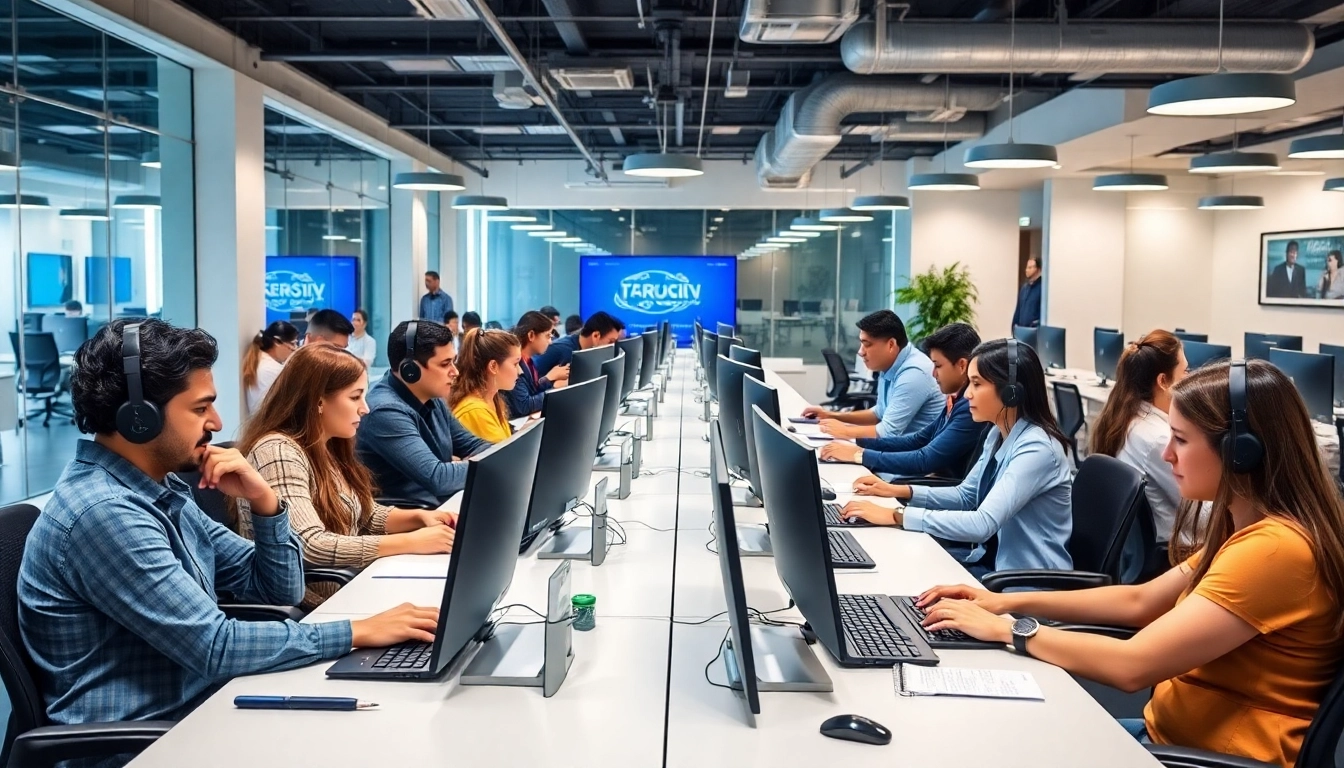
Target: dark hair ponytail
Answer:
[[1135, 384], [991, 360]]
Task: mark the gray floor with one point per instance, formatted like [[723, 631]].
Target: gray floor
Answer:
[[34, 458]]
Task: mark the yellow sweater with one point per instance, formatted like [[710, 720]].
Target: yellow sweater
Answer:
[[480, 419]]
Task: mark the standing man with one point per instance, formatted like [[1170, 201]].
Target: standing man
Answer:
[[436, 303], [1288, 280], [1028, 312]]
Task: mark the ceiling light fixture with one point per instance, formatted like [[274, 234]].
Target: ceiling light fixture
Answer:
[[881, 203], [1329, 147], [86, 214], [1231, 203], [137, 201], [844, 215], [480, 203], [1130, 182], [1334, 185], [804, 233], [1011, 154], [944, 182], [429, 181], [662, 165], [152, 160], [805, 224], [9, 161], [548, 232], [512, 217], [531, 227], [1234, 162]]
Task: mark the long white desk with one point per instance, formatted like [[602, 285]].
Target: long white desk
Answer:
[[621, 705]]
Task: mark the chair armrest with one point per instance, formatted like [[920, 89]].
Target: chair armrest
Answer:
[[323, 575], [1185, 757], [254, 612], [393, 501], [930, 481], [1043, 578], [52, 744]]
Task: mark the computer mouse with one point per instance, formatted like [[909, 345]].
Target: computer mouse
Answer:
[[828, 494], [792, 429], [856, 728]]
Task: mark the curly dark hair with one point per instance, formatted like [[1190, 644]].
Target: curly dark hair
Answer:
[[168, 354]]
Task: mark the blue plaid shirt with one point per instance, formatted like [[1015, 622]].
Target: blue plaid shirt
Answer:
[[433, 306], [117, 596]]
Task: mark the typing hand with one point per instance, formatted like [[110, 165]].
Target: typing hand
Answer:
[[229, 472], [969, 618], [838, 451], [428, 517], [405, 622], [867, 510], [432, 540], [836, 428], [987, 600], [815, 412], [865, 486]]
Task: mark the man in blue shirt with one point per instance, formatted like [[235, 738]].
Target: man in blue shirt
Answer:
[[118, 589], [907, 397], [436, 303], [601, 330], [1028, 311], [944, 447], [409, 440]]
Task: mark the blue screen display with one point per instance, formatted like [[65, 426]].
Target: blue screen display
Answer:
[[95, 280], [646, 290], [300, 283], [51, 279]]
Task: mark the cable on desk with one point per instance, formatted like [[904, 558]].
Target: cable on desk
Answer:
[[722, 644], [650, 527]]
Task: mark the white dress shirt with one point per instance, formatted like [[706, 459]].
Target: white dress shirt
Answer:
[[1149, 434], [364, 348], [268, 368]]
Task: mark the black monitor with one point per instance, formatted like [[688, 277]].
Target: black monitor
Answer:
[[1199, 354], [586, 364], [809, 307], [757, 394], [1107, 346], [696, 330], [745, 355], [649, 359], [732, 418], [1257, 345], [1314, 377], [573, 414], [69, 332], [669, 341], [1026, 335], [614, 370], [724, 329], [790, 307], [751, 305], [633, 348], [709, 362], [1050, 346], [726, 343], [739, 657], [1185, 336], [1336, 352]]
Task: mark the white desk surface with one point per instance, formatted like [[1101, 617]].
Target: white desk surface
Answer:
[[619, 704]]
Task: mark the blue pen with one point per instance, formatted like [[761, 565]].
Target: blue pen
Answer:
[[332, 703]]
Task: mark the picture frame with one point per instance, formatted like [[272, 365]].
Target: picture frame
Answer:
[[1316, 277]]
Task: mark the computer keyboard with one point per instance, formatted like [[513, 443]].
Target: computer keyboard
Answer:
[[405, 656], [870, 634], [831, 511], [846, 552], [943, 638]]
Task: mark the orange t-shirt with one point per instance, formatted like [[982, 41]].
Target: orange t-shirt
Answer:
[[1258, 699]]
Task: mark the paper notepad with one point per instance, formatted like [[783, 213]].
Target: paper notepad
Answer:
[[911, 680]]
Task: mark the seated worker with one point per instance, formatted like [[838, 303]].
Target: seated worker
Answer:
[[328, 326], [470, 320], [118, 588], [534, 337], [1241, 638], [600, 330], [265, 359], [487, 367], [907, 397], [572, 324], [409, 440], [946, 445], [553, 315], [302, 443], [1021, 488], [450, 319]]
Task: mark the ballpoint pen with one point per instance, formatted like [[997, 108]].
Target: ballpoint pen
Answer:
[[333, 703]]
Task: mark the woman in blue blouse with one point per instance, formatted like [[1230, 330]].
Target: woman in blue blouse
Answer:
[[1020, 489]]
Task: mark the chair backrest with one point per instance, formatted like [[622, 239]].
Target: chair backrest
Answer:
[[973, 455], [41, 360], [27, 710], [1323, 746], [1068, 408], [839, 375], [1106, 497]]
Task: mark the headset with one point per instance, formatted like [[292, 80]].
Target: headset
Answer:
[[1242, 450], [1011, 393], [409, 370], [138, 420]]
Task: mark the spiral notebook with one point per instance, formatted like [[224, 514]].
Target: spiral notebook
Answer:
[[912, 680]]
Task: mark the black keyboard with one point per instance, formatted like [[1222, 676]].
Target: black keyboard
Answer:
[[405, 656], [831, 511], [871, 635], [943, 638], [846, 552]]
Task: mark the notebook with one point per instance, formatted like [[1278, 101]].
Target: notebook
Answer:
[[911, 680]]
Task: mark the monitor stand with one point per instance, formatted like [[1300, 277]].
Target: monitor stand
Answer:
[[754, 541], [532, 656], [743, 495], [578, 543], [784, 662]]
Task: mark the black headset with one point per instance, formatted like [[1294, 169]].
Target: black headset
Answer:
[[1242, 450], [1011, 393], [409, 370], [138, 421]]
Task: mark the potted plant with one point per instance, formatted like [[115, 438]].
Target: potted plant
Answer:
[[939, 297]]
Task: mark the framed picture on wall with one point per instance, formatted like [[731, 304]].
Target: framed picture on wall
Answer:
[[1302, 269]]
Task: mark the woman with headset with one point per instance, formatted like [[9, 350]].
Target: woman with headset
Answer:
[[1018, 497], [1242, 637]]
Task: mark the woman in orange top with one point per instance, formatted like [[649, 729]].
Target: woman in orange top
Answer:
[[1242, 637]]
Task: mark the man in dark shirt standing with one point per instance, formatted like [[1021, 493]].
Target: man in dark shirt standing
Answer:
[[600, 330], [1028, 312]]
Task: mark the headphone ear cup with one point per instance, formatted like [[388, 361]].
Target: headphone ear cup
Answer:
[[139, 423], [409, 370], [1242, 453], [1011, 395]]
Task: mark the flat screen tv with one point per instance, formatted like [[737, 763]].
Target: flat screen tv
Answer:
[[645, 290], [300, 283], [51, 279]]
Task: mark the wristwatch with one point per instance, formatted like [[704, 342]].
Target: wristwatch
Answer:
[[1023, 630]]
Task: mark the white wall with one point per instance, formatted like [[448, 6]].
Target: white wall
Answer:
[[1168, 252], [1084, 253]]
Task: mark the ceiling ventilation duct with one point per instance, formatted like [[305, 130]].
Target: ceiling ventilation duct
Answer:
[[512, 92], [809, 125], [905, 129], [797, 21], [594, 78], [1141, 47]]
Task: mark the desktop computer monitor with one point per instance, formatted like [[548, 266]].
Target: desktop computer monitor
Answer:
[[1337, 352], [565, 465], [1199, 354], [726, 343], [649, 359], [697, 330], [586, 364], [1050, 346], [633, 348], [732, 418], [614, 370], [709, 356], [745, 355], [69, 332], [724, 329], [751, 305], [1107, 346], [757, 394], [1025, 335], [1185, 336], [1258, 344], [790, 307], [738, 654], [1314, 377]]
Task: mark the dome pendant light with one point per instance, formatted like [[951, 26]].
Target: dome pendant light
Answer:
[[1231, 202], [882, 201], [431, 181], [1234, 161], [944, 182], [1130, 182], [1334, 185], [1011, 154], [1330, 147], [662, 164]]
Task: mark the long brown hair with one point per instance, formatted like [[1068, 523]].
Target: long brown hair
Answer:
[[480, 347], [1135, 384], [278, 332], [1292, 483], [291, 409]]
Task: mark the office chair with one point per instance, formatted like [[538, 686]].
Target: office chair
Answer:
[[841, 380], [1069, 412], [44, 380], [31, 739], [1106, 497]]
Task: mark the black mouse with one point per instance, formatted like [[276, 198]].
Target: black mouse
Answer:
[[856, 728], [828, 494], [793, 429]]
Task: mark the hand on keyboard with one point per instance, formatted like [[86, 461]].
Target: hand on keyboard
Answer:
[[867, 510], [405, 622], [965, 616], [990, 601]]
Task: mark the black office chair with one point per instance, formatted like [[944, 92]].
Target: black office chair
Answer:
[[43, 379], [841, 398], [1069, 412], [31, 739], [1107, 494]]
